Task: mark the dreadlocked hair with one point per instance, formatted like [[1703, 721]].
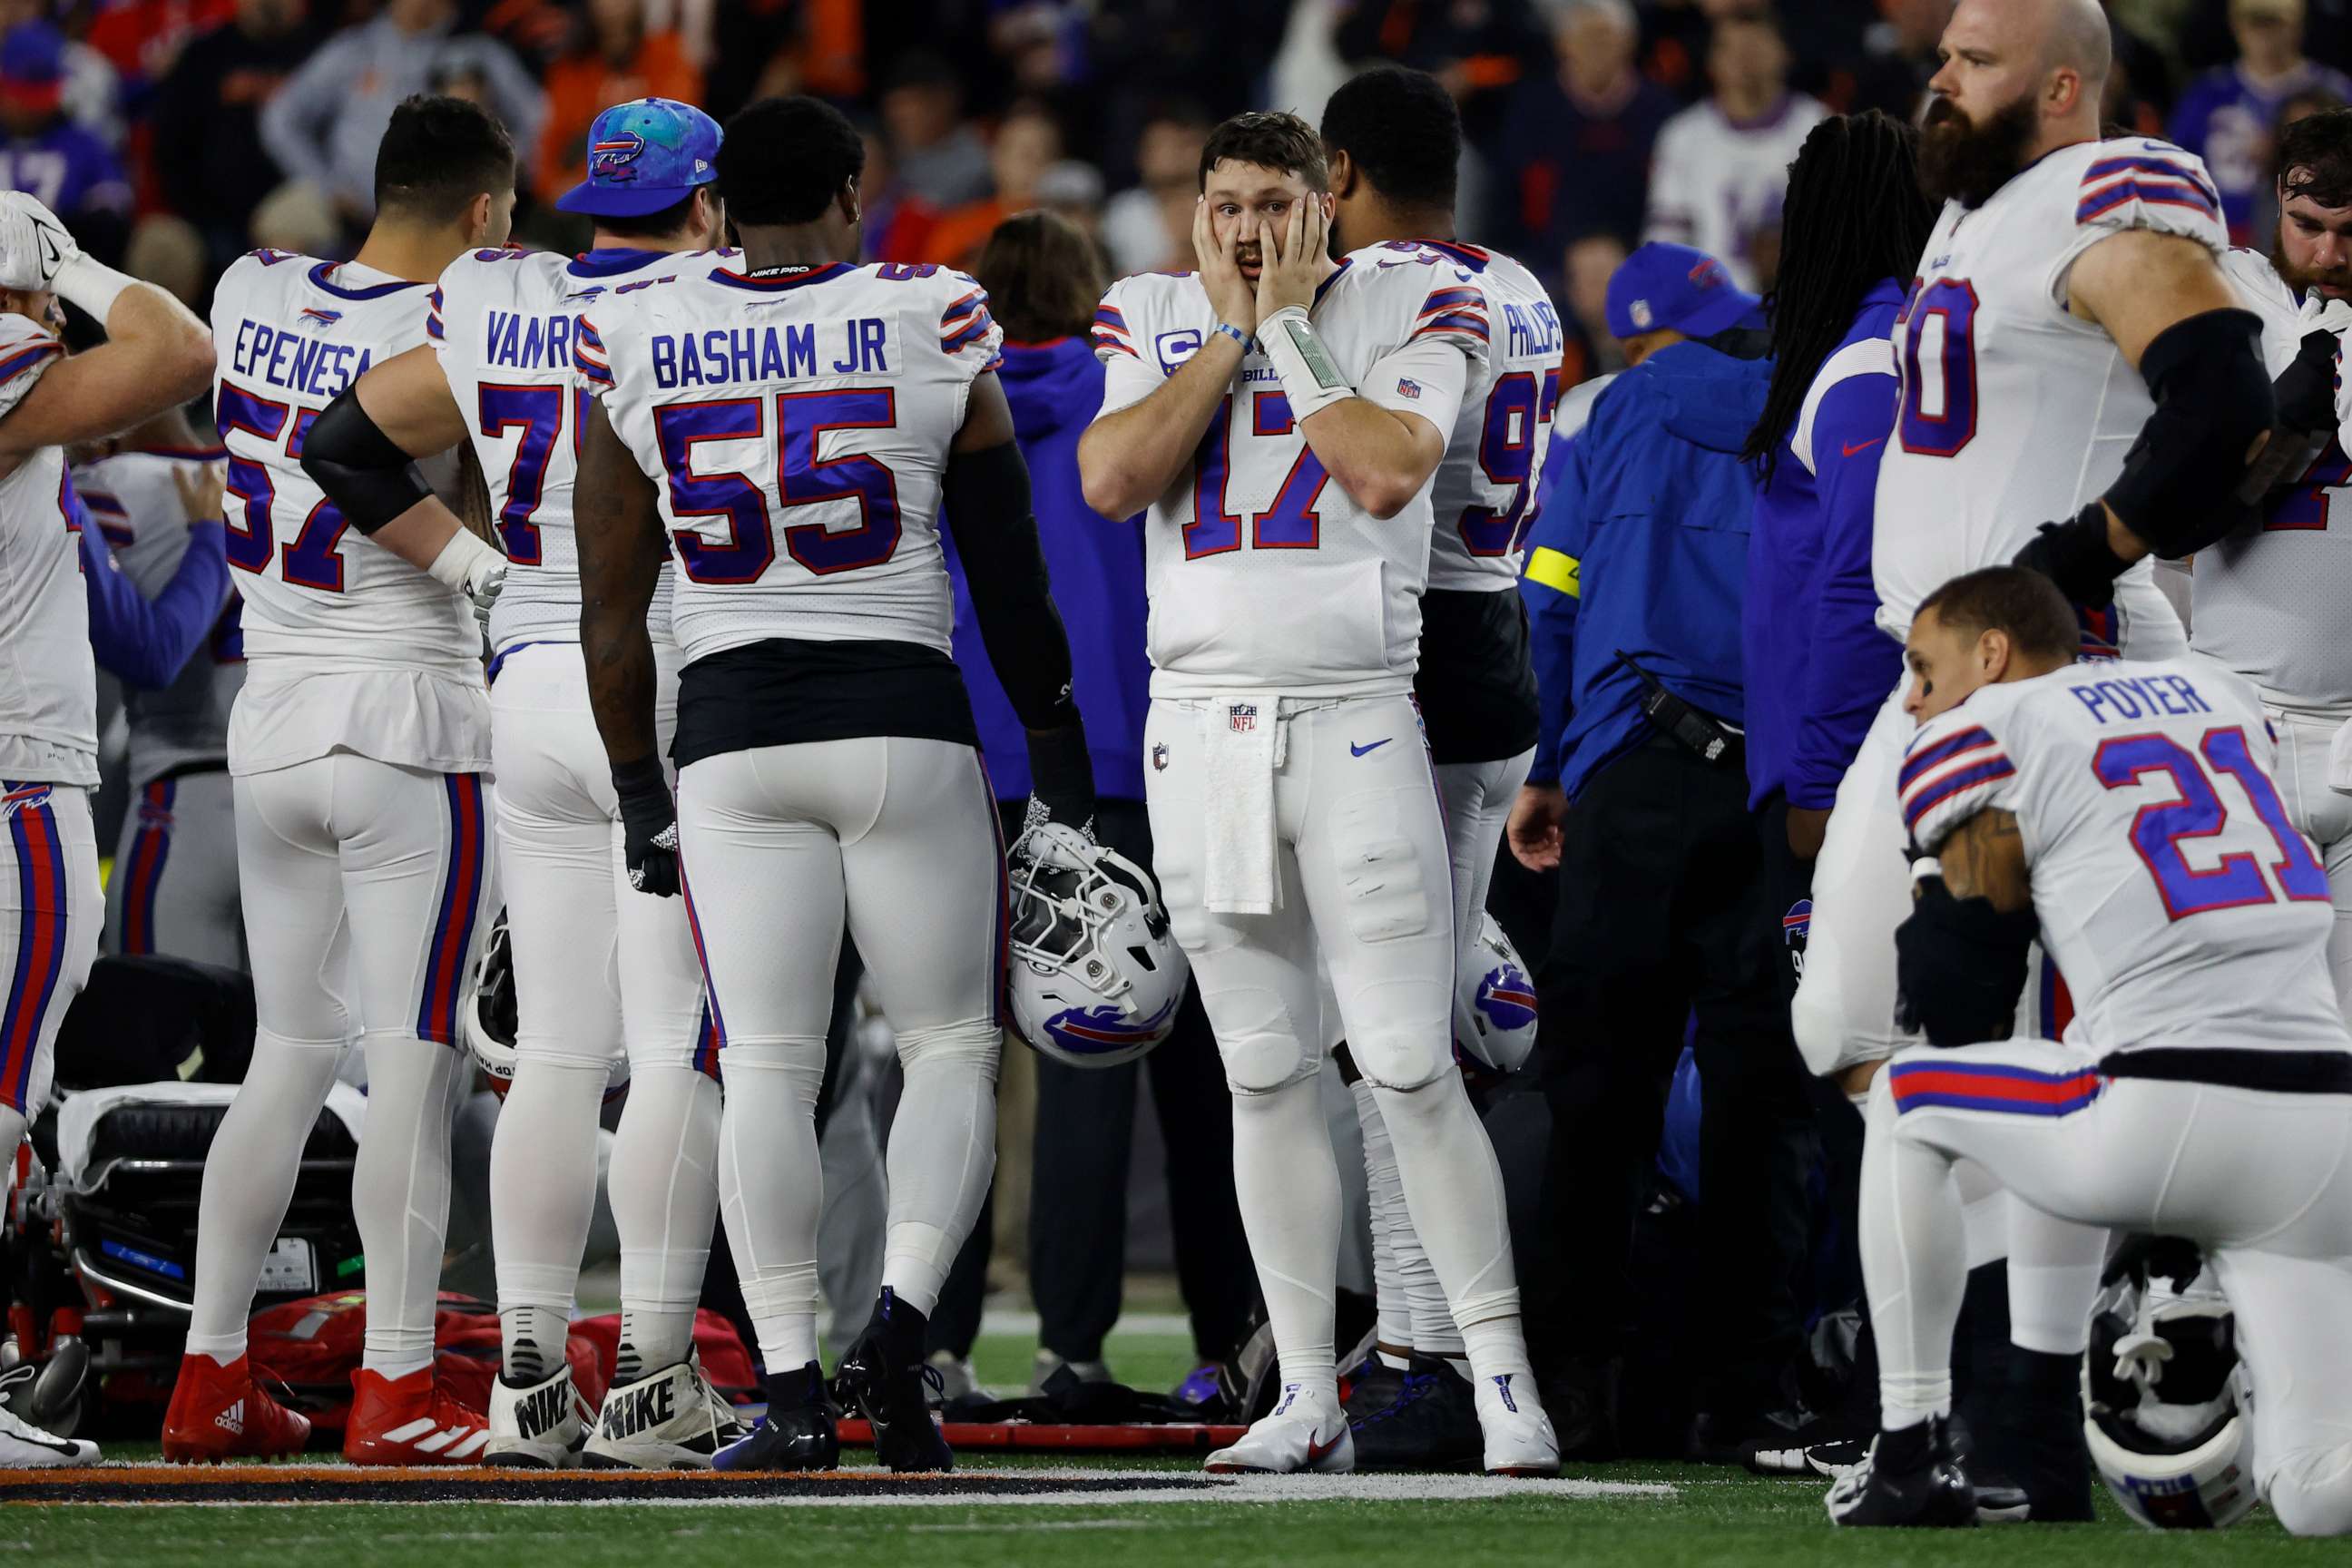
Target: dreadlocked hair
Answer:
[[1854, 216]]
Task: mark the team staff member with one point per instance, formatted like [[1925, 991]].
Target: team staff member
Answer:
[[1640, 553], [1043, 280]]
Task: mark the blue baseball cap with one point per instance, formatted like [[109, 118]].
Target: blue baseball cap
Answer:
[[1662, 286], [643, 156], [32, 66]]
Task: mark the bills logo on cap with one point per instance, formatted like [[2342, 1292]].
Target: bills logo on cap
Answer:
[[610, 156], [1242, 716], [1709, 274]]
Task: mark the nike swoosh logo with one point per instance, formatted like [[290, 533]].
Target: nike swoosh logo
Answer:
[[1356, 750], [1861, 446], [1317, 1452]]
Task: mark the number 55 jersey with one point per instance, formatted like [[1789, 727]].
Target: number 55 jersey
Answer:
[[2012, 412], [2181, 905]]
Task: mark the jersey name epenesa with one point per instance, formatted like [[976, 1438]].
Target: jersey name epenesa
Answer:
[[290, 332], [49, 682], [800, 423], [1485, 491], [2178, 902], [502, 322], [2014, 413], [133, 496], [2268, 600], [1262, 575]]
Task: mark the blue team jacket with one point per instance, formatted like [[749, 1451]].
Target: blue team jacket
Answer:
[[1054, 389], [1639, 544], [1817, 666], [145, 642]]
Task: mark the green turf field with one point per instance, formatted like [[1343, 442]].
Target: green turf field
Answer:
[[1710, 1516]]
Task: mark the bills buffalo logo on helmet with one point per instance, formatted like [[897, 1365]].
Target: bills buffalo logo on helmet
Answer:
[[1507, 998], [612, 156], [1090, 1031]]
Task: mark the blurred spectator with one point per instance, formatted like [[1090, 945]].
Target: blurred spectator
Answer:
[[1028, 143], [62, 165], [614, 59], [295, 216], [1042, 42], [208, 158], [324, 124], [1901, 57], [1722, 164], [92, 93], [1476, 49], [1073, 191], [1591, 260], [170, 253], [939, 155], [2226, 116], [142, 40], [1149, 226], [1578, 141], [898, 223]]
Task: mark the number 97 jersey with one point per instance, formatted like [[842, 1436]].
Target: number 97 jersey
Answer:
[[797, 427], [2180, 904]]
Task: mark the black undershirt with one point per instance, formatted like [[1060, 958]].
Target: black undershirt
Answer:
[[1475, 686], [787, 692]]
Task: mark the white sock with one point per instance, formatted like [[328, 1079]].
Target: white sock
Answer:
[[2053, 1275], [942, 1154], [1914, 1240], [543, 1199], [1287, 1179], [1453, 1191], [1388, 1217], [246, 1189], [771, 1188], [400, 1197], [664, 1187]]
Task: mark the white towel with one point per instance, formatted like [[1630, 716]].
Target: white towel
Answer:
[[1240, 740]]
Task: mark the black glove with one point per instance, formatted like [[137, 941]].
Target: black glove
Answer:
[[2076, 556], [1960, 966], [649, 827], [2305, 389], [1061, 773]]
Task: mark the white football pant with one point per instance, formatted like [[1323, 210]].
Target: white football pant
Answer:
[[2324, 816], [50, 908], [779, 844], [367, 888], [174, 891], [2262, 1181]]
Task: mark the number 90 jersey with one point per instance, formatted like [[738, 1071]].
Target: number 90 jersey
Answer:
[[798, 427], [2179, 902], [290, 332], [2011, 412]]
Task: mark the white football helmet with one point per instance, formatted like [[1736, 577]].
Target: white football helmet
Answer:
[[1494, 1001], [488, 1013], [2164, 1396], [1096, 976]]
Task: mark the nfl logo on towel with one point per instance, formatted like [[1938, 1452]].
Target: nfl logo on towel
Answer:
[[1242, 716]]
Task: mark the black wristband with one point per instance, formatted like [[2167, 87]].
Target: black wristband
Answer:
[[1061, 773], [2076, 556]]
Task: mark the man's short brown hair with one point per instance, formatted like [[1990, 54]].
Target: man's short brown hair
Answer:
[[1271, 140], [2023, 603], [2315, 158]]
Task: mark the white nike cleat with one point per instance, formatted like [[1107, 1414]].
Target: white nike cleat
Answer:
[[25, 1446], [1304, 1432], [538, 1427], [666, 1420], [1519, 1440]]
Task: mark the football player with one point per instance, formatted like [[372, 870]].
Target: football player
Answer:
[[792, 424], [1393, 138], [2070, 350], [2124, 814], [2267, 601], [156, 355], [1282, 415], [599, 967], [357, 754], [174, 890]]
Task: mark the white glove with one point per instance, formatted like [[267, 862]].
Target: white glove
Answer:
[[2326, 314], [484, 584], [33, 246]]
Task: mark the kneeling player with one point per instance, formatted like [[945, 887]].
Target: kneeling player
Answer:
[[2125, 814]]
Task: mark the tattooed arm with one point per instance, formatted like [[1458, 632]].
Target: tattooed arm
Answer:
[[1984, 857], [621, 550]]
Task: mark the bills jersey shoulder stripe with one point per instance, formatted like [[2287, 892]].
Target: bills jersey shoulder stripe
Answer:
[[48, 700]]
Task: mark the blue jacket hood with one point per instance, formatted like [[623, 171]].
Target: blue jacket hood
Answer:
[[1709, 399], [1052, 385]]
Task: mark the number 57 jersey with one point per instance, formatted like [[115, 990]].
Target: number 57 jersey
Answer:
[[798, 428], [2181, 905]]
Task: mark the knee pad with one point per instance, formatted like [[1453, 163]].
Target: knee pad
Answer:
[[553, 1054], [979, 1041], [802, 1060], [1403, 1057], [1387, 886]]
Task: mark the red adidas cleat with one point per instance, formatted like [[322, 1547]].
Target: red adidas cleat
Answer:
[[220, 1413], [411, 1421]]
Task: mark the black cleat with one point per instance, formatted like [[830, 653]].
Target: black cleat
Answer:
[[884, 1377], [798, 1433], [1372, 1387], [1430, 1423], [2029, 1443], [1910, 1480]]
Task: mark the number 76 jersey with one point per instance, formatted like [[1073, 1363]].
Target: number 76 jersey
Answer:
[[2181, 905]]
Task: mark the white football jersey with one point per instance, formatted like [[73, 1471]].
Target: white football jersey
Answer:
[[2268, 600], [324, 604], [1717, 183], [799, 427], [1262, 575], [48, 681], [502, 322], [2014, 413], [1485, 491], [133, 496], [2181, 905]]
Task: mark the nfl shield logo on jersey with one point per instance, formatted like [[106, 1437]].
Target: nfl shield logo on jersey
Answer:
[[1242, 716]]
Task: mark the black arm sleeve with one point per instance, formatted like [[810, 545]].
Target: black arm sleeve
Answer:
[[365, 474], [2178, 488], [1959, 965]]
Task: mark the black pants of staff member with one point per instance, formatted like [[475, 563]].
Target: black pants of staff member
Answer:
[[1661, 892], [1079, 1180]]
